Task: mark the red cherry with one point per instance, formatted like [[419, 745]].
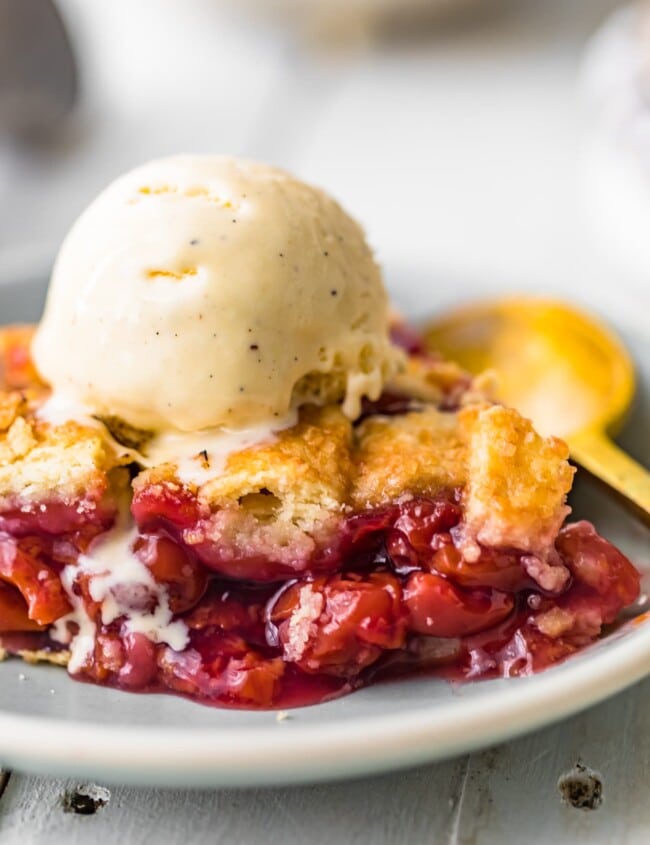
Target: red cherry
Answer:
[[437, 608], [358, 619], [494, 568], [185, 579], [139, 667], [598, 567], [38, 583], [13, 612], [165, 504]]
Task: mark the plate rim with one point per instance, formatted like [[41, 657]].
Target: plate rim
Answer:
[[288, 752]]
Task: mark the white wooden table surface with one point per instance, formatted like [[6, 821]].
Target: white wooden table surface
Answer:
[[508, 794], [461, 155]]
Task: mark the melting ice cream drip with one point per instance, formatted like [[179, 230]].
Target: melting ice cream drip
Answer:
[[125, 589]]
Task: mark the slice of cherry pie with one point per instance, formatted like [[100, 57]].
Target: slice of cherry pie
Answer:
[[426, 535]]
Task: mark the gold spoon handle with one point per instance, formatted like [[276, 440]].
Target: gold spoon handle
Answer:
[[602, 458]]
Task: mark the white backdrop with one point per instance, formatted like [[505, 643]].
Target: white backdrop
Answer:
[[460, 151]]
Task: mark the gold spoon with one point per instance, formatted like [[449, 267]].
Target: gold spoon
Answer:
[[561, 368]]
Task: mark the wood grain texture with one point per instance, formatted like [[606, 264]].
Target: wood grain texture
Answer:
[[507, 794], [513, 794]]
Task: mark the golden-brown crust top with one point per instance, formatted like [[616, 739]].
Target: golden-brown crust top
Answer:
[[66, 463], [417, 452], [514, 482], [39, 461], [307, 469], [517, 481]]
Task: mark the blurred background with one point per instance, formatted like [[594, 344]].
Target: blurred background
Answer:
[[483, 143]]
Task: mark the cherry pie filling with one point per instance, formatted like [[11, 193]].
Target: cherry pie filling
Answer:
[[391, 592]]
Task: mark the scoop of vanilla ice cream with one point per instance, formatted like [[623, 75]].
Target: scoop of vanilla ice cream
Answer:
[[201, 291]]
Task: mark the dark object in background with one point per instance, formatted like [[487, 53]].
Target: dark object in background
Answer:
[[38, 73]]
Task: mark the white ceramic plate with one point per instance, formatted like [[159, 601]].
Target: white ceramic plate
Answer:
[[51, 724]]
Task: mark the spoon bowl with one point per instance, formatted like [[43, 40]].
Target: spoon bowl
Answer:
[[562, 368]]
